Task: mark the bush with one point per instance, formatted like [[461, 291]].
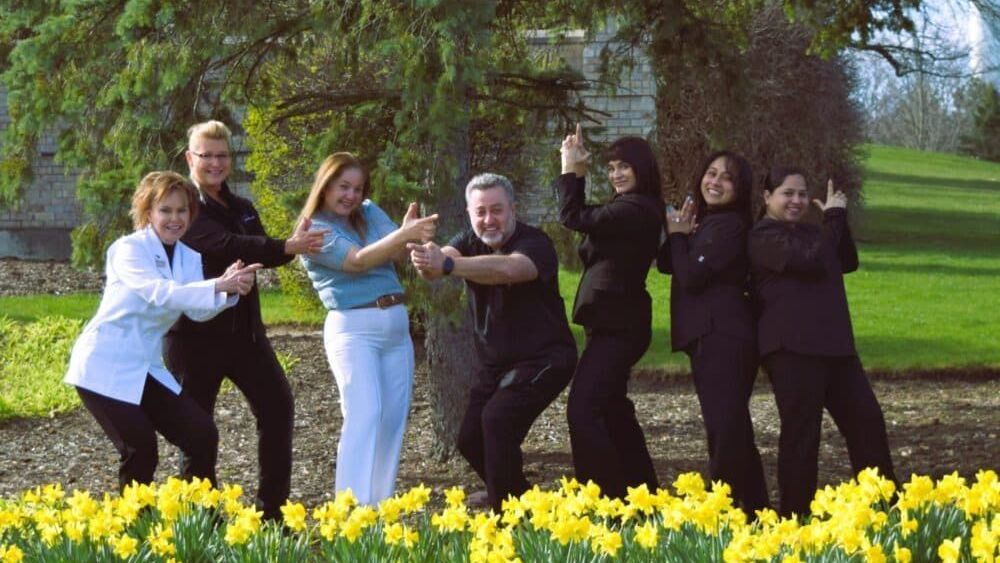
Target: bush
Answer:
[[33, 360]]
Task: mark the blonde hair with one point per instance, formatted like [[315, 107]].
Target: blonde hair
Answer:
[[331, 169], [211, 129], [156, 186]]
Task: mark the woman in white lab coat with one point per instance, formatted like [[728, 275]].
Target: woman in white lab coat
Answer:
[[116, 363]]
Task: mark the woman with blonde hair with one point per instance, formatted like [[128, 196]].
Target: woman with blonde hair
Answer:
[[366, 333], [116, 363]]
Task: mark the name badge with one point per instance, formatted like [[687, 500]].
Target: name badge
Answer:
[[160, 262]]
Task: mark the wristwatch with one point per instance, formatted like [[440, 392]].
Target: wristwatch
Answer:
[[447, 266]]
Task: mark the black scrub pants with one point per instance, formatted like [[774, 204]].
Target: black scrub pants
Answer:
[[132, 429], [202, 361], [497, 420], [609, 447], [803, 385], [724, 369]]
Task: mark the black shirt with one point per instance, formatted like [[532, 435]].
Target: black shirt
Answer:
[[522, 322], [798, 277], [708, 282]]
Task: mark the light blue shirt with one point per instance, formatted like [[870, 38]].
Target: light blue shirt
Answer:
[[341, 290]]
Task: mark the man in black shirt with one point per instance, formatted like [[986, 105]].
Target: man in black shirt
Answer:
[[522, 337]]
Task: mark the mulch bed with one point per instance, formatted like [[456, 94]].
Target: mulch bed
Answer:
[[938, 422]]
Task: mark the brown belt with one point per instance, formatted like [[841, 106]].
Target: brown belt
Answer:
[[386, 301]]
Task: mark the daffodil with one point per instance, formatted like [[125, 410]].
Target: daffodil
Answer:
[[949, 550], [294, 515], [124, 546], [11, 554]]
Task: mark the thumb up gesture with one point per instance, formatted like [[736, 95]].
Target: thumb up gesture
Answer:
[[416, 227]]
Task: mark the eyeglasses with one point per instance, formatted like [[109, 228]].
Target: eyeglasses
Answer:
[[221, 157]]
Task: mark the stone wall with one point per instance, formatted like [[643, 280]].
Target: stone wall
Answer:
[[39, 227]]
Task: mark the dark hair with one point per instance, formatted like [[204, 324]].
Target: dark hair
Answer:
[[775, 177], [742, 174], [638, 154]]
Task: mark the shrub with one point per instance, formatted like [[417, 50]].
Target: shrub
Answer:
[[33, 360]]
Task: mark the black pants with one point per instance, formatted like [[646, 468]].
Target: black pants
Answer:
[[498, 418], [132, 429], [803, 385], [202, 361], [724, 370], [608, 444]]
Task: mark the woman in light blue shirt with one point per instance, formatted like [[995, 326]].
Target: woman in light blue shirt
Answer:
[[367, 332]]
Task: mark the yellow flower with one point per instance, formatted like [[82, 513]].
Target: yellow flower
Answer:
[[949, 550], [950, 488], [916, 492], [454, 497], [791, 558], [452, 519], [52, 494], [125, 546], [160, 540], [874, 554], [690, 485], [901, 554], [294, 515], [983, 542], [646, 535], [568, 486], [393, 533], [246, 524], [608, 543], [415, 498], [11, 554], [389, 510], [410, 537], [641, 499]]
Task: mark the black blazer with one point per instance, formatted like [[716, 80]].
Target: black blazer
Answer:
[[222, 235], [708, 285], [797, 272], [618, 248]]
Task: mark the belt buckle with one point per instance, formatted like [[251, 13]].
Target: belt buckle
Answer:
[[385, 301]]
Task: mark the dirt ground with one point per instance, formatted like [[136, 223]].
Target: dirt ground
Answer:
[[938, 422]]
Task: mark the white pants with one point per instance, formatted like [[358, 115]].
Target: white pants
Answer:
[[371, 355]]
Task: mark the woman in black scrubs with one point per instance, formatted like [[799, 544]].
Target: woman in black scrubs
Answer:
[[619, 245], [711, 318], [805, 339]]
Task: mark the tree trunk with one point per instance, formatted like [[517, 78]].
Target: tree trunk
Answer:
[[451, 354], [452, 365]]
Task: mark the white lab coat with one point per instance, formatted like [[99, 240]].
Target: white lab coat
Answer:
[[142, 299]]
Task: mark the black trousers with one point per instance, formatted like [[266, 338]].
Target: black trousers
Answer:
[[609, 447], [202, 361], [497, 420], [724, 370], [803, 385], [132, 429]]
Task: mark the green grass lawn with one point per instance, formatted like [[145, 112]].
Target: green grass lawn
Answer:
[[276, 308]]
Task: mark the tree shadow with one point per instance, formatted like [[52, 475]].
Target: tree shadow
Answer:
[[934, 182]]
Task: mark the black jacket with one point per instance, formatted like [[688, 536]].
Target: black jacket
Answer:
[[797, 272], [708, 285], [620, 243], [222, 235]]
